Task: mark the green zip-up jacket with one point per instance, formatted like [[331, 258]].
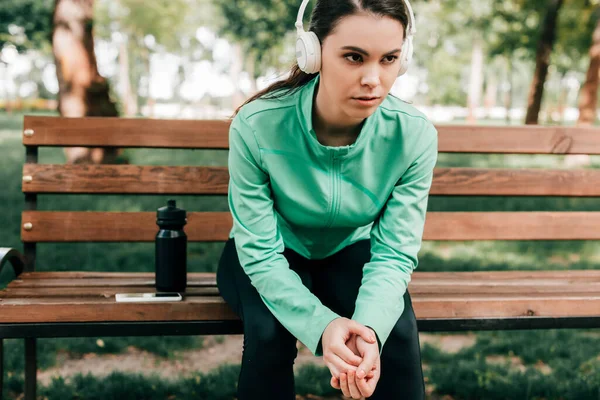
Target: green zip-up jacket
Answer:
[[287, 190]]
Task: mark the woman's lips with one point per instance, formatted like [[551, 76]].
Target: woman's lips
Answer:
[[366, 101]]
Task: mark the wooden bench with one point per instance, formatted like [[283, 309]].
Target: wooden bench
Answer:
[[66, 304]]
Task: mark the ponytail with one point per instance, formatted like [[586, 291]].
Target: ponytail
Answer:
[[295, 81]]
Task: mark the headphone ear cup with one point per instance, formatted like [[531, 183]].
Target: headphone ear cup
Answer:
[[308, 52], [406, 55]]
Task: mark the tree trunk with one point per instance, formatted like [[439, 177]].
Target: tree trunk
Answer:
[[476, 79], [509, 93], [563, 92], [82, 91], [237, 65], [129, 100], [588, 96], [542, 61], [251, 68], [491, 91]]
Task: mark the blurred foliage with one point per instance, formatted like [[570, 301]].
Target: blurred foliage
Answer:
[[265, 31], [26, 24]]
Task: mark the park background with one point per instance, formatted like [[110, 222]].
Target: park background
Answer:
[[486, 62]]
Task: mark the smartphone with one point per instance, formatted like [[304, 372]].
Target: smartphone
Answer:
[[147, 297]]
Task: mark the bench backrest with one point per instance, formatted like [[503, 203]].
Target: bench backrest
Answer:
[[66, 226]]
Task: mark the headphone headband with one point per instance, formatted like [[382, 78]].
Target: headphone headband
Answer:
[[410, 29]]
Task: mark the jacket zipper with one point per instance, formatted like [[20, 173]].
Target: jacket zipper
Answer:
[[335, 189]]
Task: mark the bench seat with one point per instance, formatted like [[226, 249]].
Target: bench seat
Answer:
[[441, 300]]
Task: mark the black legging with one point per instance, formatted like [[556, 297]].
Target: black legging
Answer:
[[270, 349]]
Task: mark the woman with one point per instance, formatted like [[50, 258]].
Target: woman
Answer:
[[329, 180]]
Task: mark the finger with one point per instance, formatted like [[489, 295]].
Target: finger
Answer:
[[369, 360], [344, 384], [366, 386], [348, 355], [339, 365], [335, 382], [361, 330], [354, 392]]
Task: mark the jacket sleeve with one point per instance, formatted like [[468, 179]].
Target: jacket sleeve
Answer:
[[260, 245], [395, 241]]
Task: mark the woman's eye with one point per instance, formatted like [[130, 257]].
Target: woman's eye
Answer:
[[390, 59], [353, 58]]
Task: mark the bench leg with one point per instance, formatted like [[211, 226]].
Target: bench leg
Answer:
[[30, 368], [1, 367]]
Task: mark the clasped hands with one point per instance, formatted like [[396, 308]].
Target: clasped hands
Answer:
[[351, 353]]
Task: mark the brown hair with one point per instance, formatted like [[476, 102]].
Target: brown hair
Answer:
[[325, 16]]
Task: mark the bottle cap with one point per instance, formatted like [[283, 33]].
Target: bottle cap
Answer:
[[171, 215]]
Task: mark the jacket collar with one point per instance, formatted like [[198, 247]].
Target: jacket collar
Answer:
[[305, 112]]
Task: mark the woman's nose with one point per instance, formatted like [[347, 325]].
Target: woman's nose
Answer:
[[370, 78]]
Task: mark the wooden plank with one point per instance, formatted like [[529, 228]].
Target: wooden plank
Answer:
[[441, 277], [91, 283], [199, 308], [512, 226], [126, 132], [214, 308], [436, 290], [529, 139], [500, 307], [50, 226], [144, 132], [84, 292], [515, 182], [506, 276], [192, 277], [124, 179]]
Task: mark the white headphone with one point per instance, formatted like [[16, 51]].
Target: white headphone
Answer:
[[308, 47]]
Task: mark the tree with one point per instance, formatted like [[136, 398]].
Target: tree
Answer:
[[83, 92], [544, 50], [588, 97], [513, 29], [143, 28], [261, 27]]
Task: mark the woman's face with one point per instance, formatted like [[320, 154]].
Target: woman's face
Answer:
[[360, 62]]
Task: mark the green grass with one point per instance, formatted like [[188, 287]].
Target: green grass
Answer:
[[571, 354]]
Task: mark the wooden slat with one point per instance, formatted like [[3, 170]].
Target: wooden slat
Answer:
[[455, 288], [123, 132], [528, 139], [194, 278], [506, 307], [515, 182], [512, 226], [49, 226], [123, 179], [93, 292], [467, 281], [126, 132], [195, 308], [421, 290], [88, 283], [118, 226], [441, 277]]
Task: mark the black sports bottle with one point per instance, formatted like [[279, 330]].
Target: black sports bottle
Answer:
[[171, 249]]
